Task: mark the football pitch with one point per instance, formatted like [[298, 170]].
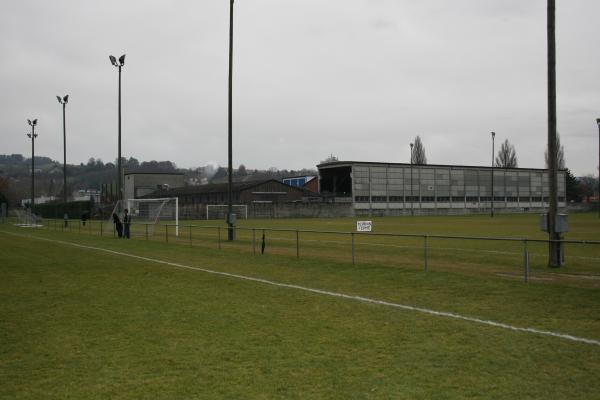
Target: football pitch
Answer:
[[90, 316]]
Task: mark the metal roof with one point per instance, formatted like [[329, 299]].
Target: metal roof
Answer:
[[350, 163]]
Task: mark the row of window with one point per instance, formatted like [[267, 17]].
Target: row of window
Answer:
[[454, 199]]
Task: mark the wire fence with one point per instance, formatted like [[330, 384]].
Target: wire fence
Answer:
[[518, 258]]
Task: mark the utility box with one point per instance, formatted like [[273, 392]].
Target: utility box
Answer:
[[231, 219], [562, 223]]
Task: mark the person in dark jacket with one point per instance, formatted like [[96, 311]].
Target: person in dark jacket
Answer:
[[126, 223], [118, 224]]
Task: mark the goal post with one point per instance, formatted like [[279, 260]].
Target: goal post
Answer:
[[219, 211]]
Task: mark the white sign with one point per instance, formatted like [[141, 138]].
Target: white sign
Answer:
[[364, 226]]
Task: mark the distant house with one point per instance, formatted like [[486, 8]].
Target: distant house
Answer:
[[142, 181], [308, 182], [265, 191]]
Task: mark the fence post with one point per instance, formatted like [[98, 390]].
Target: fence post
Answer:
[[101, 228], [190, 235], [425, 251], [254, 241], [167, 233], [146, 225], [70, 227], [353, 249], [219, 236], [78, 226], [526, 261], [297, 244]]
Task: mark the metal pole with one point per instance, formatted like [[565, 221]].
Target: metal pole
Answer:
[[411, 181], [101, 228], [167, 233], [119, 188], [353, 249], [254, 241], [230, 230], [32, 168], [146, 231], [65, 164], [554, 259], [219, 236], [425, 248], [297, 244], [526, 261], [79, 226], [493, 136], [598, 122]]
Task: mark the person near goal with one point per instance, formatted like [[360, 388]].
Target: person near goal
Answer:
[[126, 223], [118, 224]]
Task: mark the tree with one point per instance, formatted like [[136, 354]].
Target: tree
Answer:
[[507, 156], [560, 154], [574, 188], [242, 170], [418, 152], [329, 159], [589, 185]]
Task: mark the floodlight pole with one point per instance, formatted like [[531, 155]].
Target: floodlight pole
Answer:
[[64, 101], [554, 247], [119, 65], [492, 211], [230, 222], [32, 135], [412, 212], [598, 122]]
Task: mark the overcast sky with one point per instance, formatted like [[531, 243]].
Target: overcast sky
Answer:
[[358, 79]]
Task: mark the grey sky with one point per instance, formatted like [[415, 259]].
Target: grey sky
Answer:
[[356, 78]]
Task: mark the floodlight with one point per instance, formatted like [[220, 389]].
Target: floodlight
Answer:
[[29, 135], [493, 134], [113, 60], [59, 100], [122, 59], [66, 99], [598, 121], [34, 122], [29, 122]]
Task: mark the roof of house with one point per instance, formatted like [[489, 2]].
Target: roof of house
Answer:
[[150, 171], [216, 188]]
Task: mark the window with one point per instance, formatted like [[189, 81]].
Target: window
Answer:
[[398, 199], [472, 199], [443, 199], [427, 199], [361, 199], [379, 198], [485, 198], [523, 199], [458, 199], [512, 199]]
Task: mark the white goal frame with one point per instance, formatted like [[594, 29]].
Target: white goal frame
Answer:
[[163, 199], [244, 206]]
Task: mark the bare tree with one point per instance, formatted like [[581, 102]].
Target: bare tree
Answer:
[[418, 152], [560, 155], [507, 156]]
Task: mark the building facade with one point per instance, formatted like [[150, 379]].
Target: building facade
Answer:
[[138, 183], [396, 189]]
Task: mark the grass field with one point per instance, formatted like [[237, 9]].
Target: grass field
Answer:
[[92, 322]]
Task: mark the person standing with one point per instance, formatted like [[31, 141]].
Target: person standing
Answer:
[[126, 223], [118, 224]]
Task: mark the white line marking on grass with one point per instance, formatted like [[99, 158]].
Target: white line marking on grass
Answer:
[[326, 292]]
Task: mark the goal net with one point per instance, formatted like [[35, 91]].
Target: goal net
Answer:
[[150, 212], [219, 211]]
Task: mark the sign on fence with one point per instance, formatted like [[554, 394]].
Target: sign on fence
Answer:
[[364, 226]]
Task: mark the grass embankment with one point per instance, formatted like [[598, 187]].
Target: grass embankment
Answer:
[[81, 323]]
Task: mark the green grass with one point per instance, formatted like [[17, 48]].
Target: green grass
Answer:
[[79, 323], [494, 259]]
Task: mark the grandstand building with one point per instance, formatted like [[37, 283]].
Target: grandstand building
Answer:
[[376, 188]]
